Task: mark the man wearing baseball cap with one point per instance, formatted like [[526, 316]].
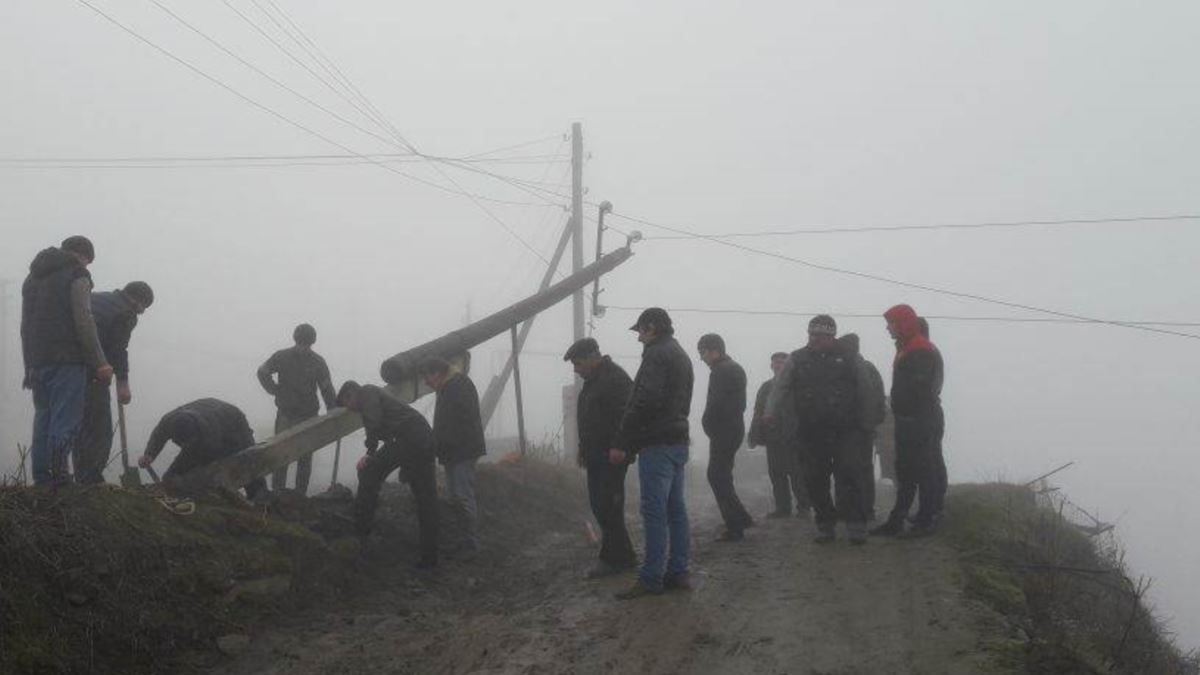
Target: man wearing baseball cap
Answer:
[[654, 427]]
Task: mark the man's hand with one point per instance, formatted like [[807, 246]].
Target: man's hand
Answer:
[[363, 462], [124, 395], [616, 456], [104, 373], [145, 461]]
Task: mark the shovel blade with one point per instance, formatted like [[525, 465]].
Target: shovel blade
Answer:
[[131, 478]]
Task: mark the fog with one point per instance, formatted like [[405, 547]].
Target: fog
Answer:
[[718, 119]]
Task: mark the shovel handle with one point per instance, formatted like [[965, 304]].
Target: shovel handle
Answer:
[[337, 459], [124, 437]]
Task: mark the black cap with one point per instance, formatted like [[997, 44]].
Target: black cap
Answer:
[[141, 293], [305, 334], [656, 316], [582, 349], [81, 245], [780, 355]]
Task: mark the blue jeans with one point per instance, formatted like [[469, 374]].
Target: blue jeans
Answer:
[[664, 513], [460, 483], [58, 400]]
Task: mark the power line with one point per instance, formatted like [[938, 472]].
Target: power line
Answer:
[[904, 284], [302, 127], [935, 226], [879, 315]]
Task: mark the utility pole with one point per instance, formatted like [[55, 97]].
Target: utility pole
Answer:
[[570, 431]]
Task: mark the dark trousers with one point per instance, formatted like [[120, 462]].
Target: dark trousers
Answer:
[[422, 479], [606, 492], [90, 454], [189, 458], [784, 468], [866, 464], [720, 477], [916, 469], [836, 454], [283, 422], [940, 459]]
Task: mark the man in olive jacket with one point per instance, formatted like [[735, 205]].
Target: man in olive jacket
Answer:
[[783, 461], [408, 446], [458, 439], [602, 398]]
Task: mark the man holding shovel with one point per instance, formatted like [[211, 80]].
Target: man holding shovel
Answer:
[[116, 315]]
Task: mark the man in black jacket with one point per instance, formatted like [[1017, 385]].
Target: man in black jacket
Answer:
[[302, 373], [458, 439], [61, 351], [821, 381], [606, 388], [407, 445], [205, 430], [917, 375], [725, 425], [116, 314], [942, 476], [783, 462], [654, 427]]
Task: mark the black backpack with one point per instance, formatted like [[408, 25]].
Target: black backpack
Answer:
[[824, 388]]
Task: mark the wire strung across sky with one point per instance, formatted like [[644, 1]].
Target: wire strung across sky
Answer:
[[934, 226], [901, 283], [879, 315], [404, 144]]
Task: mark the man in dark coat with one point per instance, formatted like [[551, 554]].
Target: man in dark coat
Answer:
[[301, 374], [62, 352], [783, 462], [725, 425], [407, 445], [916, 404], [942, 476], [205, 430], [871, 404], [822, 381], [458, 439], [116, 315], [654, 428], [602, 398]]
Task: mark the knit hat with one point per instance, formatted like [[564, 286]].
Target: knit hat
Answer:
[[81, 245], [822, 324], [582, 349]]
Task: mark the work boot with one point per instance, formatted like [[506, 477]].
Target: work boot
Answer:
[[857, 533], [825, 535], [731, 536], [678, 582], [637, 590], [778, 513], [890, 528]]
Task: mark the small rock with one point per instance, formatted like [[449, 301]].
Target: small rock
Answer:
[[233, 644]]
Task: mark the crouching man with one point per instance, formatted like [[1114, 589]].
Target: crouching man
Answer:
[[407, 445], [205, 430]]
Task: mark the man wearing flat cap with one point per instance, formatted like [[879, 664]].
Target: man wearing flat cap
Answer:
[[601, 403]]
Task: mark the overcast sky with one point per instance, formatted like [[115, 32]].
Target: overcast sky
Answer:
[[721, 119]]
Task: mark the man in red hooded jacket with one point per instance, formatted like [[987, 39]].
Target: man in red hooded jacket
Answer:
[[916, 403]]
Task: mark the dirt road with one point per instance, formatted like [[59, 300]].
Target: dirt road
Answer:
[[775, 603]]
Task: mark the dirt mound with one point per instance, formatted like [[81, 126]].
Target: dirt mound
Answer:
[[110, 580]]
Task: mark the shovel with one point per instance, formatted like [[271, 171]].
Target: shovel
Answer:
[[130, 477]]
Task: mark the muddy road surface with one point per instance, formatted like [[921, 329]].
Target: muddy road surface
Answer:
[[774, 603]]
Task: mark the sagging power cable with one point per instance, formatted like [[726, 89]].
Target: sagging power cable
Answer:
[[901, 283]]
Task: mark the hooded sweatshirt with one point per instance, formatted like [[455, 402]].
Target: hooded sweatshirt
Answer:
[[917, 370], [57, 326]]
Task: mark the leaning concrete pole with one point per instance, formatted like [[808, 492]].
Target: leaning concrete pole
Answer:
[[399, 372], [571, 394]]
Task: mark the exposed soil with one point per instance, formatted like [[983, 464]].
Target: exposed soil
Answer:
[[775, 603]]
